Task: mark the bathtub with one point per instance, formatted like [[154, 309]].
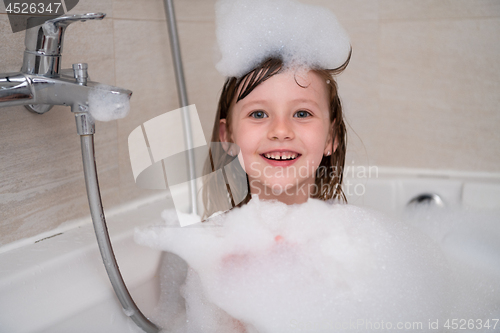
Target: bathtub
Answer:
[[56, 282]]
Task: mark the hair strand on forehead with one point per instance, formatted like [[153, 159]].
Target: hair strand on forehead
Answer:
[[264, 71]]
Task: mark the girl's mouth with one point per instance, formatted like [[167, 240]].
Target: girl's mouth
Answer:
[[284, 158]]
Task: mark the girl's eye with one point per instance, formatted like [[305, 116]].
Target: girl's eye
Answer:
[[302, 114], [258, 114]]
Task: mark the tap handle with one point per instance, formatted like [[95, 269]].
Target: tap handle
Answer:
[[63, 21], [47, 39], [44, 44]]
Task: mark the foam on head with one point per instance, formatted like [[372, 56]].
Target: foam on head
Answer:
[[249, 31], [304, 268]]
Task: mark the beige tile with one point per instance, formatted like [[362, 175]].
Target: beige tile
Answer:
[[441, 60], [204, 10], [439, 93], [11, 47], [152, 79], [148, 72], [139, 10], [143, 64], [41, 184], [433, 9], [441, 141], [358, 88], [93, 6], [349, 9], [195, 10], [35, 201], [91, 42], [203, 82]]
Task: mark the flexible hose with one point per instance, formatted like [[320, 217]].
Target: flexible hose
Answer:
[[101, 231]]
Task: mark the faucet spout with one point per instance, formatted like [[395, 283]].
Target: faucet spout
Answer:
[[28, 89]]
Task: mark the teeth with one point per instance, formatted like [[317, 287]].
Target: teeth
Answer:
[[278, 156]]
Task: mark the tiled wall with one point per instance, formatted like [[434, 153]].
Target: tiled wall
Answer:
[[422, 91]]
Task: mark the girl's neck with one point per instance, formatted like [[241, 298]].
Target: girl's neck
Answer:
[[294, 195]]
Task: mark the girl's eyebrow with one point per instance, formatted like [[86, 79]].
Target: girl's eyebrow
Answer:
[[294, 101], [258, 102], [305, 100]]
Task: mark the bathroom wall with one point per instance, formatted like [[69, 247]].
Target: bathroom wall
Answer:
[[422, 91], [423, 87]]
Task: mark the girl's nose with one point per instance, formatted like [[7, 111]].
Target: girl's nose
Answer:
[[281, 129]]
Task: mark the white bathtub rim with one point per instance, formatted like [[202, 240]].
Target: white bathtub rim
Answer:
[[395, 172]]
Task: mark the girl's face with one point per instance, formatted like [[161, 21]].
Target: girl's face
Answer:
[[283, 131]]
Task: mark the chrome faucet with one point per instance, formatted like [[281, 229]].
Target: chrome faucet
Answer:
[[41, 83]]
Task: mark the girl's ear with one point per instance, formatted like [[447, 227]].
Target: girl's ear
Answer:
[[223, 131], [223, 134], [329, 140], [336, 141]]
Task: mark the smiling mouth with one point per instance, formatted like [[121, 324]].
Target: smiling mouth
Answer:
[[281, 156]]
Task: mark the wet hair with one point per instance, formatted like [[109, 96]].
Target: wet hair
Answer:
[[329, 174]]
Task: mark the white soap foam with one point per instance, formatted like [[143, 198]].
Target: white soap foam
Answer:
[[248, 31], [270, 267], [106, 104], [470, 241]]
